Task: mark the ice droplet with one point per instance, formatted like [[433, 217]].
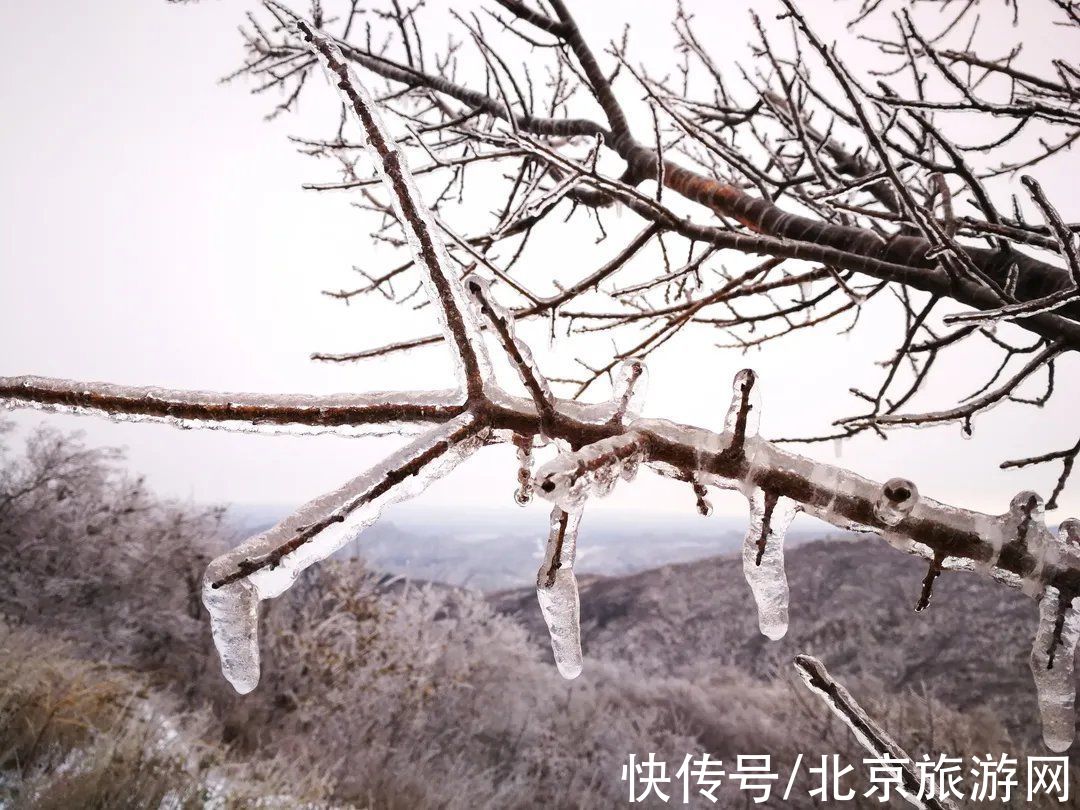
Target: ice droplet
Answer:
[[1052, 665], [763, 559], [557, 592], [898, 498]]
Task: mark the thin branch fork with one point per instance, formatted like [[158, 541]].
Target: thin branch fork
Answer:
[[998, 284], [809, 162], [902, 258]]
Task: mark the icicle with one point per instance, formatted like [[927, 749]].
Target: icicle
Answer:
[[704, 507], [267, 565], [234, 624], [898, 498], [557, 592], [966, 429], [628, 390], [524, 475], [1052, 666], [763, 559], [932, 573]]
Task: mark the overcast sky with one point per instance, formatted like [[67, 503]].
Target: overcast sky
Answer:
[[155, 232]]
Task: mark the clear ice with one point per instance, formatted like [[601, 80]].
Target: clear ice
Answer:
[[557, 592], [763, 559], [267, 565], [1053, 667]]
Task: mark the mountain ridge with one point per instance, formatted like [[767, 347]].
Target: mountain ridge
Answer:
[[968, 649]]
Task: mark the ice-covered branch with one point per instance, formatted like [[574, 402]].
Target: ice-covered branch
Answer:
[[869, 734], [502, 323], [570, 478], [344, 414], [266, 565]]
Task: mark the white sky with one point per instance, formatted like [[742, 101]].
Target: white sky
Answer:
[[154, 232]]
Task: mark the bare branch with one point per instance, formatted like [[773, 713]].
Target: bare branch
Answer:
[[866, 731]]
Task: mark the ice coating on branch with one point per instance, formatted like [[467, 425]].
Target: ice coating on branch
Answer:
[[1052, 665], [1024, 525], [266, 565], [628, 390], [523, 494], [1069, 535], [870, 735], [898, 498], [703, 504], [457, 318], [744, 416], [557, 592], [763, 559], [347, 414], [485, 308], [569, 478]]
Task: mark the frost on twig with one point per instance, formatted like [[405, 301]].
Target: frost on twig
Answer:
[[869, 734]]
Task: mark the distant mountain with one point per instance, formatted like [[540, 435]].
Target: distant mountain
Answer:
[[500, 550], [655, 593], [851, 605]]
